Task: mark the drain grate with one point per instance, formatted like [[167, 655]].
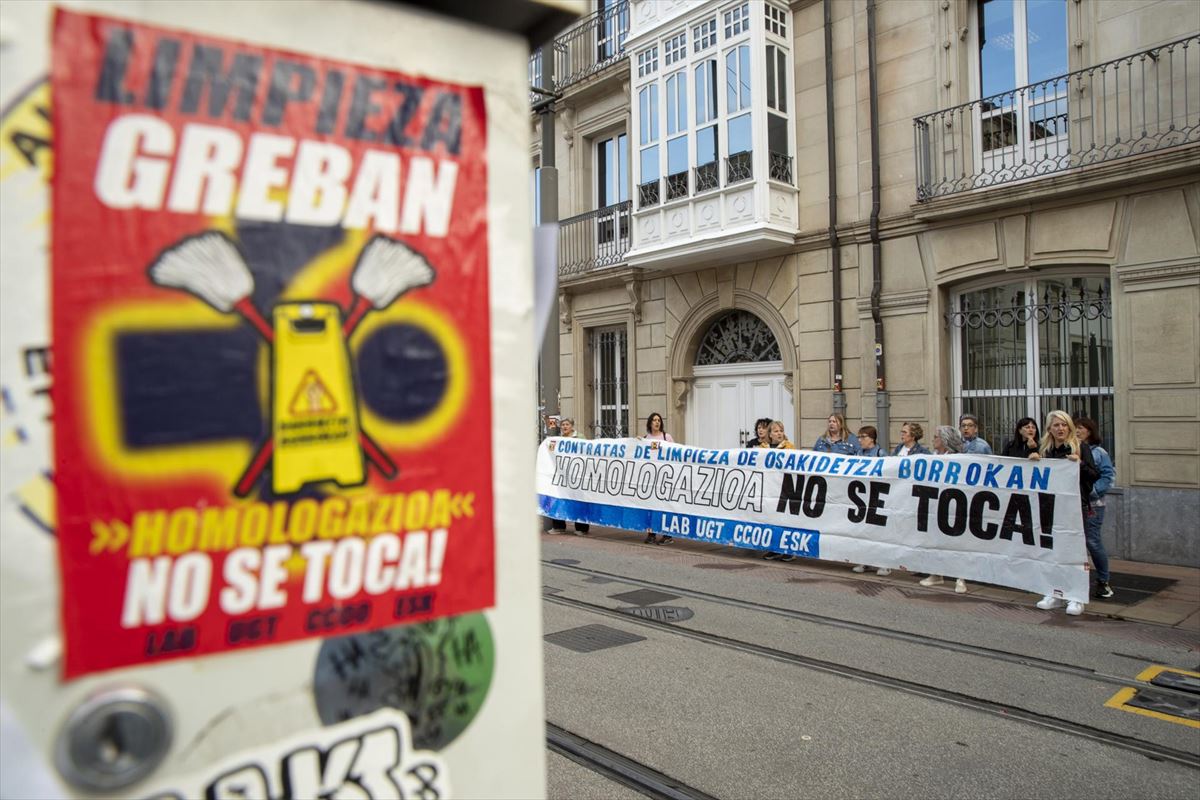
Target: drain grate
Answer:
[[659, 613], [728, 565], [550, 589], [1164, 703], [1129, 589], [590, 638], [598, 579], [1177, 680], [643, 597], [565, 562]]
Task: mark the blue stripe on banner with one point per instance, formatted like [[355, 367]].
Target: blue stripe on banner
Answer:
[[801, 542]]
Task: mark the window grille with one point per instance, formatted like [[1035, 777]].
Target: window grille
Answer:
[[738, 337], [611, 384], [1025, 349]]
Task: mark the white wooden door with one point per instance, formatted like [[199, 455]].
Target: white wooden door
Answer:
[[727, 399]]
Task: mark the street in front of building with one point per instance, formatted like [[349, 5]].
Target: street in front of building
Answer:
[[696, 670]]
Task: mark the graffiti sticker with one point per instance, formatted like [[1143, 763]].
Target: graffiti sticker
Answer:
[[270, 329]]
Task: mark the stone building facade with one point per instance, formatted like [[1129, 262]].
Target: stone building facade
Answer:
[[1015, 227]]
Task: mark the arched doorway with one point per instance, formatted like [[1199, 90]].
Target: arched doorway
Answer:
[[738, 376]]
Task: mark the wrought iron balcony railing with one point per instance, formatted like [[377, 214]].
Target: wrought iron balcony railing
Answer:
[[599, 238], [707, 177], [781, 167], [677, 185], [649, 193], [739, 167], [1137, 104], [587, 47]]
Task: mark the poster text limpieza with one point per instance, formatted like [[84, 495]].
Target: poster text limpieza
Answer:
[[142, 164]]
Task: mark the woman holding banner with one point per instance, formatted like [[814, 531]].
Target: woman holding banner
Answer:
[[836, 438], [867, 447], [1062, 441], [656, 432], [946, 440], [777, 436], [1024, 442], [762, 433]]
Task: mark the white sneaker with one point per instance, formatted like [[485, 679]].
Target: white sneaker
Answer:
[[882, 571], [932, 580], [1074, 609], [960, 586], [861, 568], [1049, 603]]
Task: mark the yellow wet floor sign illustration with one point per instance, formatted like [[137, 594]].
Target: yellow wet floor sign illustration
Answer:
[[315, 414]]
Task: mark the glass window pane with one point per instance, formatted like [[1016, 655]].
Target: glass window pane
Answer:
[[997, 55], [771, 76], [706, 145], [1046, 22], [677, 157], [644, 115], [744, 74], [731, 81], [604, 167], [682, 91], [649, 164], [671, 103], [622, 168], [993, 339], [777, 138], [781, 72], [740, 140], [653, 111]]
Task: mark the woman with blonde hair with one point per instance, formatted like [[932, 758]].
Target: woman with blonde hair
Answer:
[[1061, 440], [836, 438], [777, 436]]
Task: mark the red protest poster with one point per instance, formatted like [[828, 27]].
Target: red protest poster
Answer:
[[270, 329]]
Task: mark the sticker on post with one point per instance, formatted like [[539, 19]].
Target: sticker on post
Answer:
[[369, 758]]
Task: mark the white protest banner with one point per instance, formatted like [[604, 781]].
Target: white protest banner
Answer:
[[997, 520]]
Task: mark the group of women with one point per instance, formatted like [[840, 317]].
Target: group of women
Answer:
[[1072, 439]]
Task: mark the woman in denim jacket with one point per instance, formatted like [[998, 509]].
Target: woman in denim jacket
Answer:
[[910, 440], [1089, 432], [837, 438]]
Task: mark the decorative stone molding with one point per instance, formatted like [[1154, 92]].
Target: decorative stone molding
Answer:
[[564, 310], [911, 302], [632, 288], [679, 393], [789, 383], [1152, 273]]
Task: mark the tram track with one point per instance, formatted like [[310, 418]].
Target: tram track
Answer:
[[1004, 710], [949, 645], [616, 767]]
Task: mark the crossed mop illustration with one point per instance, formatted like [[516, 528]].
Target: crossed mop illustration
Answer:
[[210, 267]]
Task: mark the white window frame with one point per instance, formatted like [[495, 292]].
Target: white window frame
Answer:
[[704, 35], [674, 48], [736, 21], [647, 61], [1025, 149]]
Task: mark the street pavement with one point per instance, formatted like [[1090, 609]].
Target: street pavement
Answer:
[[808, 680]]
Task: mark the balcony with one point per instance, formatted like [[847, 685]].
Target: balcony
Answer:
[[593, 241], [583, 50], [1141, 103]]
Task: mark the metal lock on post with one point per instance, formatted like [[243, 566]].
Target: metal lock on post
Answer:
[[114, 739]]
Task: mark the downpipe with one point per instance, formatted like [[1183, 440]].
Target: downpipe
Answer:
[[835, 248], [882, 404]]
